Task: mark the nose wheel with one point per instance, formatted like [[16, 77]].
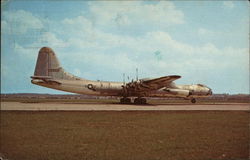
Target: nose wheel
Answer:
[[193, 100]]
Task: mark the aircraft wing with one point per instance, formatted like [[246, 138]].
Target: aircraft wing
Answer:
[[160, 82], [145, 85]]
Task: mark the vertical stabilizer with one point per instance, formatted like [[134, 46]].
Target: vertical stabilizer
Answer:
[[47, 65]]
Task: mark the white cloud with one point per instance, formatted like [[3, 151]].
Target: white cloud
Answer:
[[50, 39], [124, 53], [77, 24], [205, 32], [25, 51], [135, 13], [228, 4], [47, 39], [93, 46], [19, 22]]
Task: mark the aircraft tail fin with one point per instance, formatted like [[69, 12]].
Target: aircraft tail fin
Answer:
[[47, 65]]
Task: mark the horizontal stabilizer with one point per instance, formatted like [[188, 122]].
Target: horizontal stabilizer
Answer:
[[46, 79], [41, 77]]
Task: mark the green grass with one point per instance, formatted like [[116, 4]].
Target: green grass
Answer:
[[140, 135]]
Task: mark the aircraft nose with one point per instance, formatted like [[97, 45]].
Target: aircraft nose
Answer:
[[210, 91]]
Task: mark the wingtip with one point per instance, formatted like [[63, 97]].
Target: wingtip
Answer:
[[175, 76]]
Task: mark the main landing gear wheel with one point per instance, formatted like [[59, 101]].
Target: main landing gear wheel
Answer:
[[140, 101], [125, 100], [193, 100]]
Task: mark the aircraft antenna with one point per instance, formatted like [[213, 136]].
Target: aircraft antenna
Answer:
[[136, 74], [124, 79]]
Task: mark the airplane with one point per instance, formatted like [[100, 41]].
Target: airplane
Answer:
[[49, 73]]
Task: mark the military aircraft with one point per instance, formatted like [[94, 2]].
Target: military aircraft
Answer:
[[49, 73]]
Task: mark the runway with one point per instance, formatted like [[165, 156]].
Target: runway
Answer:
[[50, 106]]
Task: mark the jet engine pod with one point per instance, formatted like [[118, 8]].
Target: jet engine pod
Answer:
[[178, 92], [91, 87]]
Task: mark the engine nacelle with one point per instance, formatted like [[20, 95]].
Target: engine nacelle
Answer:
[[179, 92]]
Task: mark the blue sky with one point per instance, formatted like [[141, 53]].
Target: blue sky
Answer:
[[203, 41]]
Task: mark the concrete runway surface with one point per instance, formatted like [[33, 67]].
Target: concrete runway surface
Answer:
[[50, 106]]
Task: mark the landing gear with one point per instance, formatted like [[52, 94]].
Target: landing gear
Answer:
[[140, 101], [193, 100], [125, 100]]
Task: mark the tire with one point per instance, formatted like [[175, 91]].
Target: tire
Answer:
[[136, 101], [122, 100], [193, 100], [127, 100], [143, 101], [140, 101]]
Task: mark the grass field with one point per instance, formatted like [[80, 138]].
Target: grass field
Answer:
[[140, 135]]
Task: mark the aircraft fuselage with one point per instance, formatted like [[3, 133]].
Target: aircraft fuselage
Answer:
[[105, 88]]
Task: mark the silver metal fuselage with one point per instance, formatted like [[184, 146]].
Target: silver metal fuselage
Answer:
[[106, 88]]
